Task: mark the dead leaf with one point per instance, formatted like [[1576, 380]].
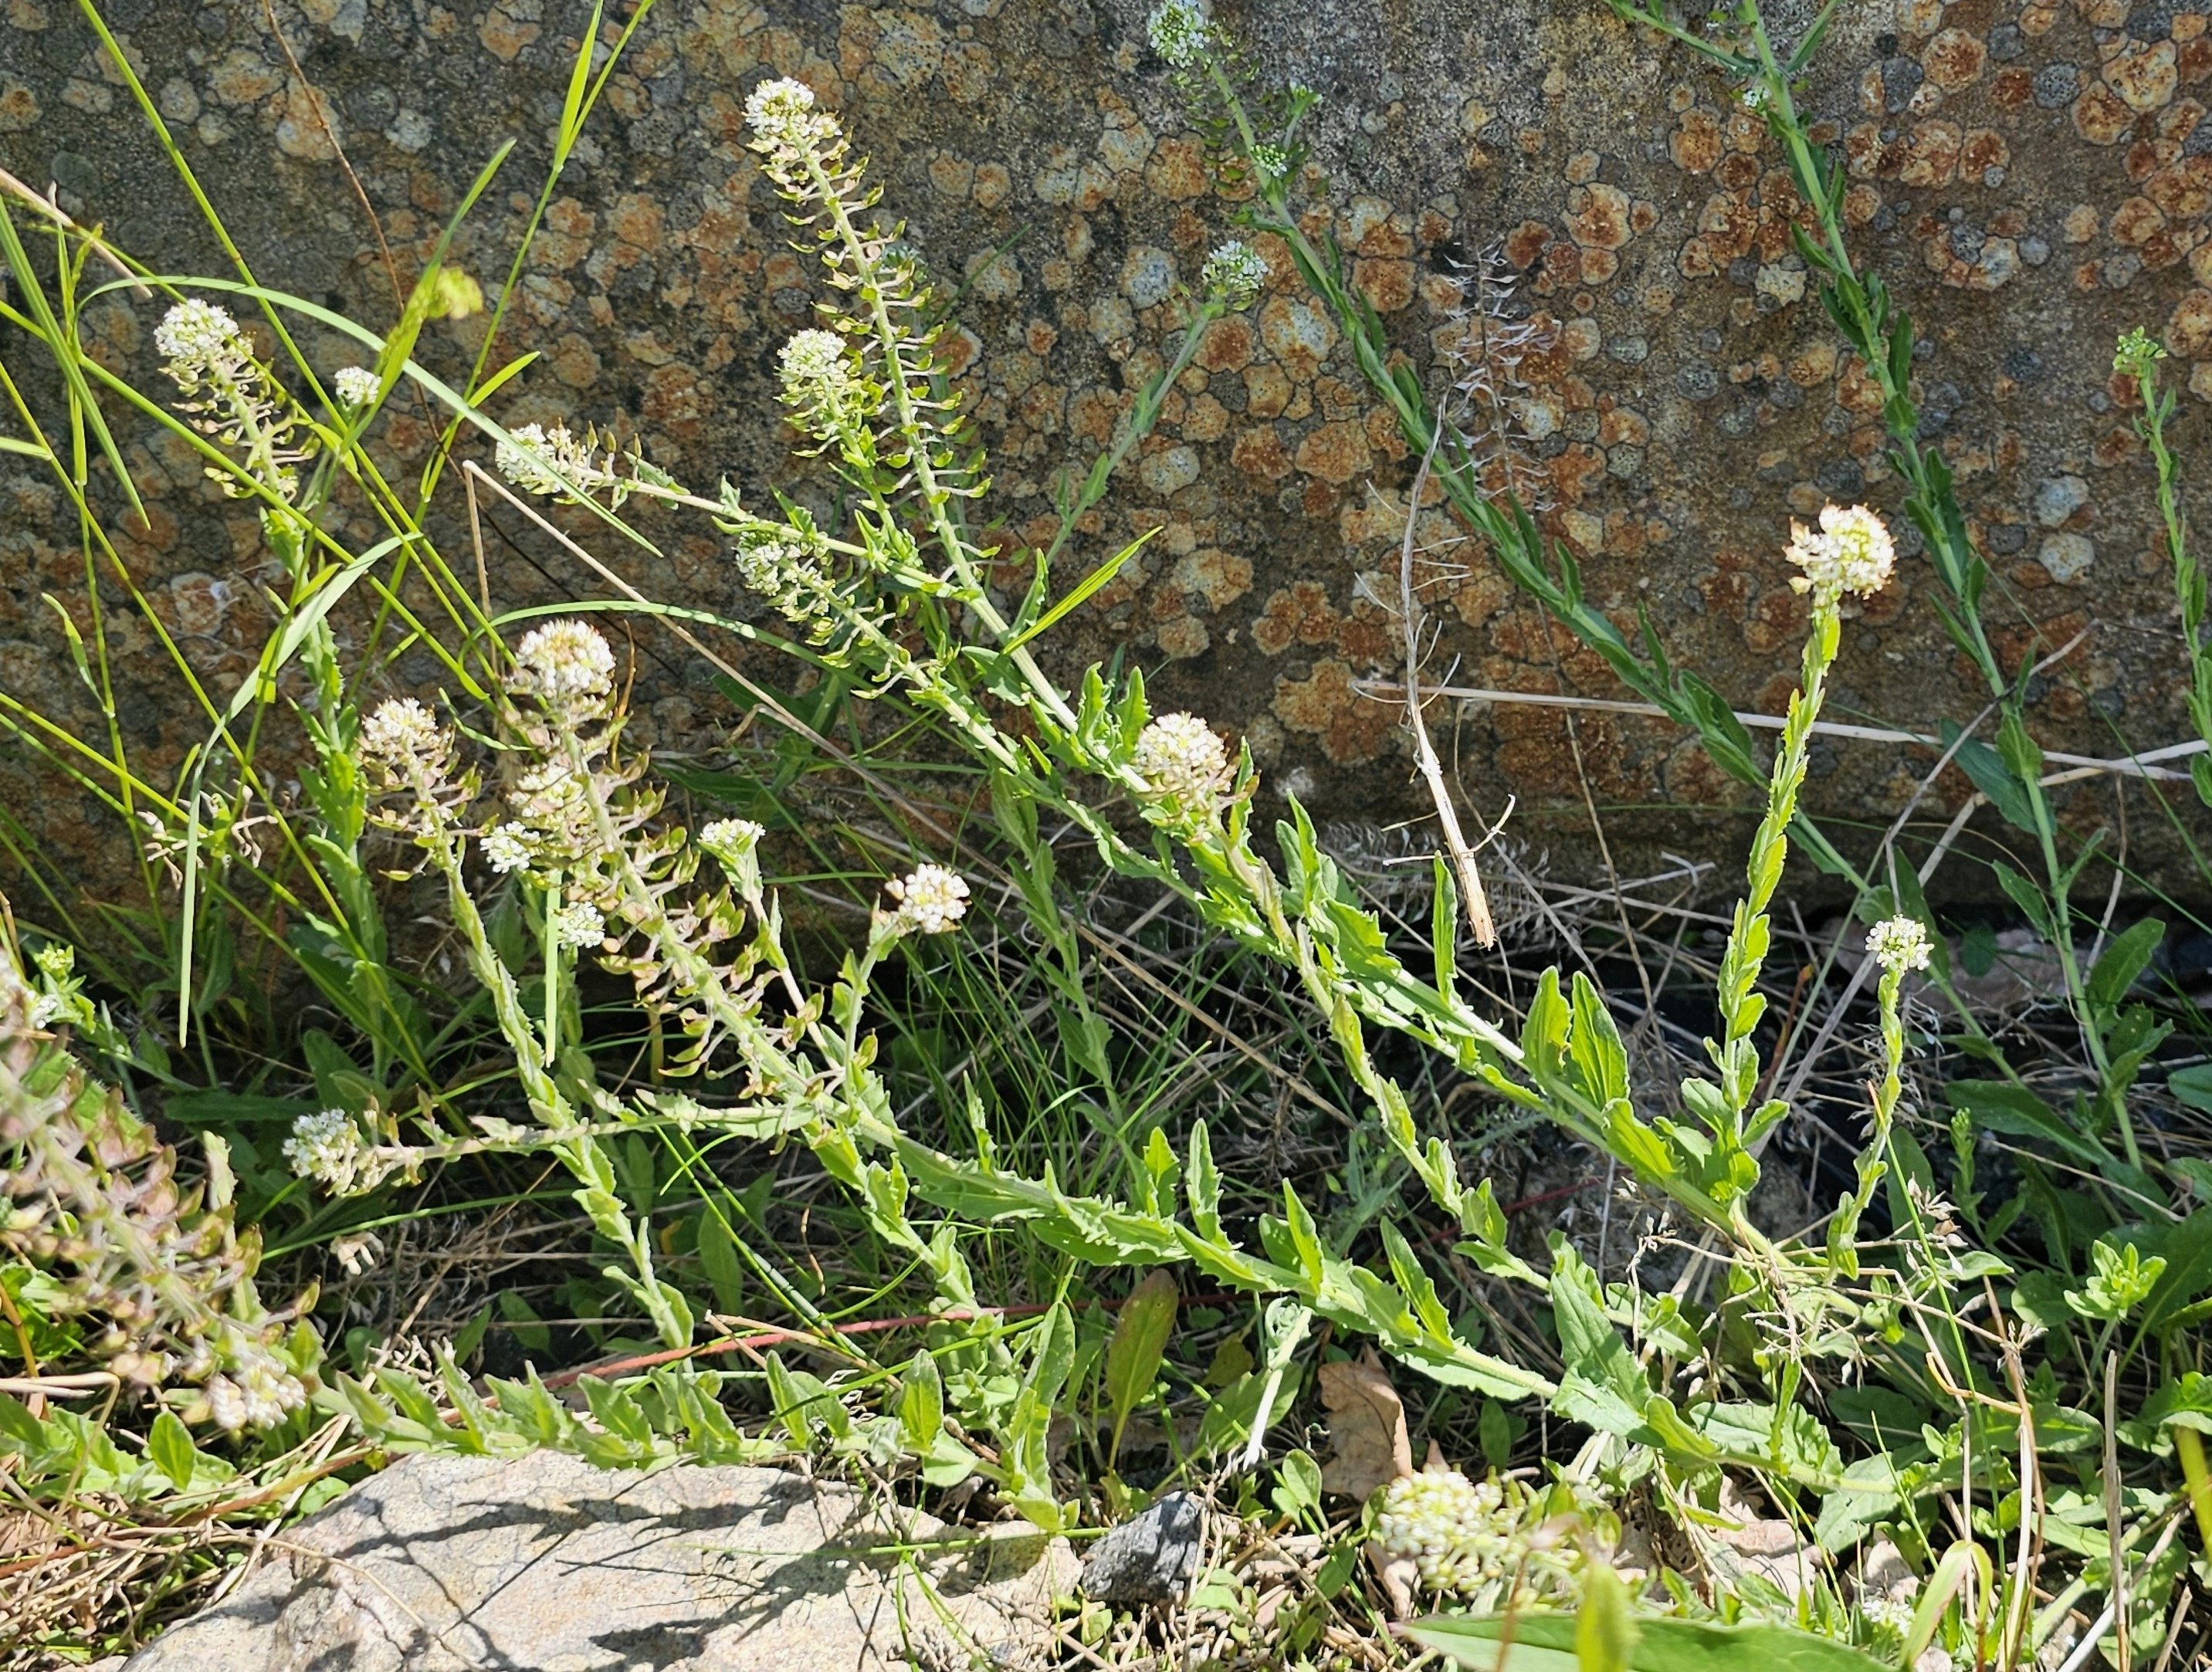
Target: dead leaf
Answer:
[[1366, 1427], [1397, 1575]]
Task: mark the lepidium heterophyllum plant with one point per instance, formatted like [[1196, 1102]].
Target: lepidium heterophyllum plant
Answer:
[[898, 600]]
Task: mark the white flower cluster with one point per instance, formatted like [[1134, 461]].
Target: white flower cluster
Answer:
[[260, 1396], [786, 574], [822, 384], [1459, 1534], [507, 848], [1234, 272], [327, 1148], [1181, 760], [356, 386], [1898, 944], [198, 339], [555, 807], [930, 899], [579, 924], [565, 659], [1852, 553], [1180, 33], [402, 735], [782, 113], [732, 840], [557, 462]]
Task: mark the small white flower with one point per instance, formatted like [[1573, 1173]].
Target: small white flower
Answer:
[[1181, 759], [195, 335], [1852, 553], [1898, 944], [359, 1252], [782, 112], [1180, 33], [1234, 272], [356, 386], [226, 1404], [327, 1148], [402, 734], [931, 898], [567, 659], [578, 924], [506, 850], [731, 841]]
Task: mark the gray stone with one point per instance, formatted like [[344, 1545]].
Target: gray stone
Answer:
[[1149, 1557], [442, 1563], [2057, 498]]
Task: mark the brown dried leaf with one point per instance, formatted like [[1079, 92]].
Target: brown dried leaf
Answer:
[[1366, 1427]]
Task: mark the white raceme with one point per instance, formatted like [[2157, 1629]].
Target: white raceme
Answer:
[[356, 386], [402, 734]]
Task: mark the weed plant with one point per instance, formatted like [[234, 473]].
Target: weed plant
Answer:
[[1062, 971]]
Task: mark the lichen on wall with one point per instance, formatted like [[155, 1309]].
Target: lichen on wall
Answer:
[[2032, 180]]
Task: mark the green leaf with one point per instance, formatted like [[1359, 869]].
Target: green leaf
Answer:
[[1140, 1339], [170, 1445], [718, 1257], [2124, 960], [523, 1318], [1547, 1642], [921, 1403], [1605, 1629]]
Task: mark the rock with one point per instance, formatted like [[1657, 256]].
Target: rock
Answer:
[[442, 1563], [1691, 404], [1149, 1557]]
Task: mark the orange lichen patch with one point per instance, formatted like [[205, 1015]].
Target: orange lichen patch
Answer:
[[1387, 285], [1984, 150], [1695, 144], [2189, 331], [1299, 614], [1954, 59], [1177, 170], [1258, 452], [1268, 392], [675, 401], [1352, 729], [2183, 189], [1182, 638], [1227, 345], [1597, 216], [1777, 618], [1928, 154], [2101, 116], [2145, 80], [1335, 452], [1299, 335], [1524, 244], [1220, 578], [1092, 414], [1573, 470], [2135, 219]]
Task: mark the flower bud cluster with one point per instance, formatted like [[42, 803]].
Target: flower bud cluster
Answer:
[[563, 661], [356, 387], [1463, 1534], [1183, 762]]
